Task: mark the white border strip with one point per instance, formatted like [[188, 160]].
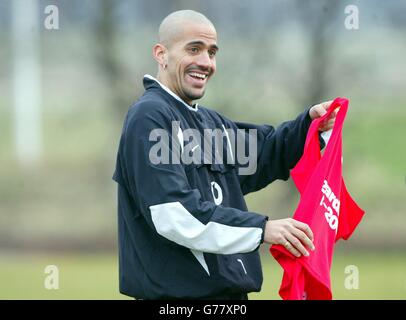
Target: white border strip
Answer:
[[172, 93]]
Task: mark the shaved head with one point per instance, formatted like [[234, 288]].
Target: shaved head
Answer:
[[186, 53], [173, 26]]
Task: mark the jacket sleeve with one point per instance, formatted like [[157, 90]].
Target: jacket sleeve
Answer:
[[166, 200], [277, 151]]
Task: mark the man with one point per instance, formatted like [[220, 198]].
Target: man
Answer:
[[184, 229]]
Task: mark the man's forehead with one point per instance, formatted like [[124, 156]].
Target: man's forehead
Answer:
[[180, 31], [197, 33]]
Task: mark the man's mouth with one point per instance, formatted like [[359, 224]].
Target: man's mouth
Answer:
[[198, 79], [198, 75]]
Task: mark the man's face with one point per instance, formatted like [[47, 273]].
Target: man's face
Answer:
[[192, 61]]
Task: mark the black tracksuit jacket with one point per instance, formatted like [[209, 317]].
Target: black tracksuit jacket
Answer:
[[184, 229]]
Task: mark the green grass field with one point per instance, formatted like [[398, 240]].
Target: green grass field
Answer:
[[381, 276]]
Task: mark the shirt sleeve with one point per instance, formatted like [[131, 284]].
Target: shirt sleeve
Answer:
[[162, 193], [350, 215], [278, 150]]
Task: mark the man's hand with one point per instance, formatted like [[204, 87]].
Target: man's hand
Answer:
[[292, 234], [319, 110]]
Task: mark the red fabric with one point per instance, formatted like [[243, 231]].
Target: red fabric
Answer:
[[325, 205]]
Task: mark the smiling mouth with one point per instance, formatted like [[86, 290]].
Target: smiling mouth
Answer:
[[196, 75], [197, 79]]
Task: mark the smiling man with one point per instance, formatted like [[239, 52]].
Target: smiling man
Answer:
[[185, 231], [183, 37]]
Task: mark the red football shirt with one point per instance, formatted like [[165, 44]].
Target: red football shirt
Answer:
[[325, 205]]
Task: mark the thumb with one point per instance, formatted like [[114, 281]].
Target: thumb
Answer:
[[317, 111], [327, 104], [322, 110]]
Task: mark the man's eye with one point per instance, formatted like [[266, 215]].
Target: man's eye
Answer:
[[212, 53], [194, 50]]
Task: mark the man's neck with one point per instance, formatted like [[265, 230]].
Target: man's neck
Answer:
[[161, 82], [166, 83]]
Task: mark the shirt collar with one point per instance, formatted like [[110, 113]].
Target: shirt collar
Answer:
[[169, 91]]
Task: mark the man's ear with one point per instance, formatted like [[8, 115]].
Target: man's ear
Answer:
[[160, 54]]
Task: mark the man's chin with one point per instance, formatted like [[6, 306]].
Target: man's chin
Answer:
[[195, 95]]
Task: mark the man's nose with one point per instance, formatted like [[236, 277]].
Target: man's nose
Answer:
[[204, 60]]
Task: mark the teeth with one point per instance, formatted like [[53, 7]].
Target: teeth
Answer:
[[198, 75]]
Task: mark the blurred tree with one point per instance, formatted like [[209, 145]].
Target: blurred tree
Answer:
[[156, 10], [117, 84], [27, 80], [317, 20]]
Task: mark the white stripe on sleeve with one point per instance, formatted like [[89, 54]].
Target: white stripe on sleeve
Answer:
[[200, 257], [175, 223]]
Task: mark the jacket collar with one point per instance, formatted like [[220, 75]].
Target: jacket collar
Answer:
[[149, 82]]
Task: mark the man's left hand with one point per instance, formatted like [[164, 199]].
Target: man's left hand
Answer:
[[319, 110]]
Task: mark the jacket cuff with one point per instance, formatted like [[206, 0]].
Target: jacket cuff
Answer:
[[322, 142], [266, 218], [308, 121]]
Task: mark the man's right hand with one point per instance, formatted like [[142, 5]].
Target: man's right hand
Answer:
[[294, 235]]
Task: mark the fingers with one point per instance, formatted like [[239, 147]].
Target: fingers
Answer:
[[319, 110], [327, 104], [294, 235], [303, 238], [330, 124], [300, 236], [333, 114], [290, 247], [297, 245], [304, 227], [327, 125]]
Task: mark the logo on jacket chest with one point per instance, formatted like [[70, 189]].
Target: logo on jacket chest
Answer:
[[217, 193]]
